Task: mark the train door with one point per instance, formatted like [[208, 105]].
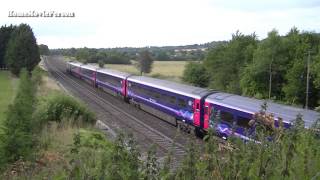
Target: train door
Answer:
[[196, 112], [94, 75], [124, 87], [206, 115]]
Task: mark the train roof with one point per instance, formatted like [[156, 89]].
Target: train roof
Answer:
[[89, 67], [251, 105], [78, 64], [84, 66], [112, 72], [191, 91]]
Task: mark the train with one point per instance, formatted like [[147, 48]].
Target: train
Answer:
[[189, 107]]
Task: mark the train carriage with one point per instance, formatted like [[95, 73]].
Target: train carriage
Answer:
[[236, 111], [180, 101], [111, 81], [74, 68], [88, 73]]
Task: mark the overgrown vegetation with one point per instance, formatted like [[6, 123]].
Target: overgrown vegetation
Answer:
[[58, 107], [17, 138], [29, 114], [8, 86]]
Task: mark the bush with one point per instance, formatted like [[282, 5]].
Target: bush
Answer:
[[59, 107], [196, 74]]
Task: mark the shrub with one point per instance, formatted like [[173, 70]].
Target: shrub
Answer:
[[59, 107]]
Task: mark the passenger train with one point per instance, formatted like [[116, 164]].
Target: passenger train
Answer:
[[187, 106]]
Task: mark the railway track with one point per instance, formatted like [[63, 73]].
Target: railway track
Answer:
[[147, 134]]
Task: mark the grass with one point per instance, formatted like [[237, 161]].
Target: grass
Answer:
[[170, 70], [8, 87]]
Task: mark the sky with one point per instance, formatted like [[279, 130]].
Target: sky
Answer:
[[141, 23]]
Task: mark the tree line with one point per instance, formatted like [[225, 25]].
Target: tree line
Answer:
[[276, 67], [124, 55]]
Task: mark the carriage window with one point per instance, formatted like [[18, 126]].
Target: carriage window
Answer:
[[172, 100], [243, 122], [182, 102], [157, 95], [227, 117]]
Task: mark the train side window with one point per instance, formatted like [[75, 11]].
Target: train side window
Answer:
[[227, 117], [157, 95], [243, 122], [182, 102], [172, 100]]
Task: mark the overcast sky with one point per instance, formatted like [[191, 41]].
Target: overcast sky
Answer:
[[138, 23]]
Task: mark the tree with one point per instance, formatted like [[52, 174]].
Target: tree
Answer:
[[43, 49], [101, 63], [5, 33], [266, 72], [22, 51], [225, 62], [196, 74], [145, 62]]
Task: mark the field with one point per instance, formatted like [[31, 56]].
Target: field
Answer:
[[171, 70], [8, 86]]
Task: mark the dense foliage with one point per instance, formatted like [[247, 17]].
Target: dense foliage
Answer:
[[22, 50], [145, 62], [17, 140], [58, 107], [5, 33], [196, 74], [274, 68], [44, 49]]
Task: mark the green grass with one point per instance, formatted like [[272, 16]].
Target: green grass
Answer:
[[170, 70], [8, 87]]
